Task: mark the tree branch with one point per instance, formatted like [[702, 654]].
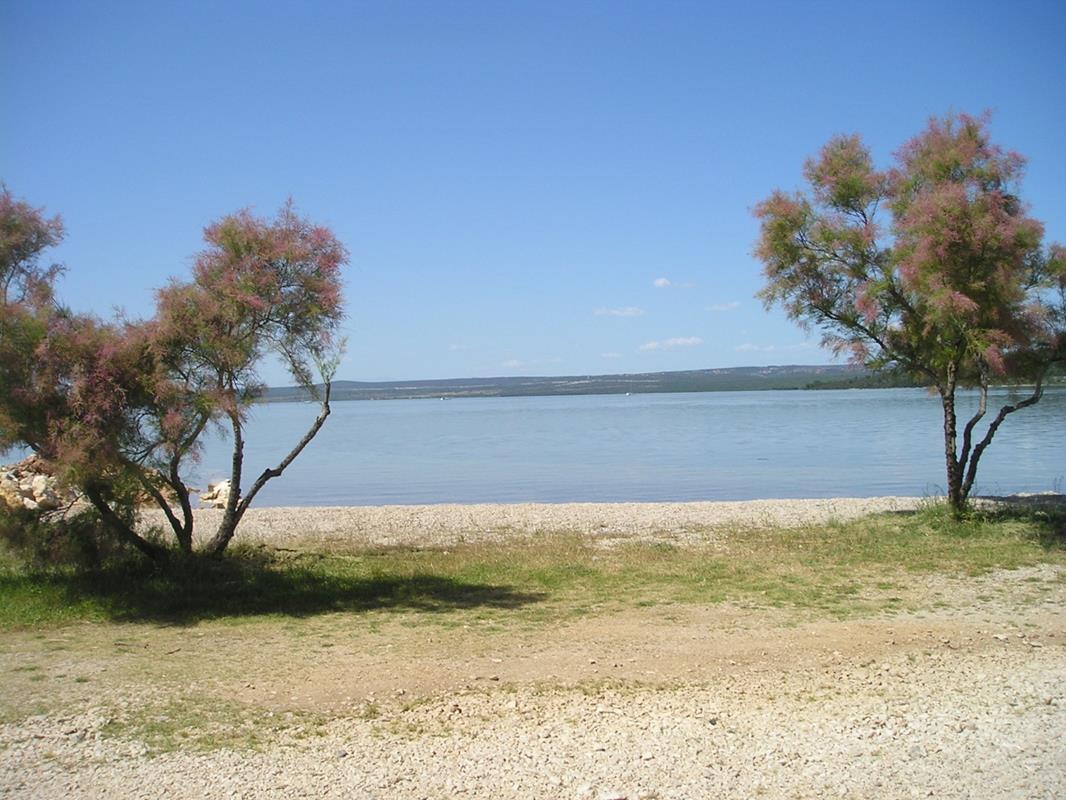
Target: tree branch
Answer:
[[160, 501], [967, 432], [274, 472], [1033, 399], [119, 527]]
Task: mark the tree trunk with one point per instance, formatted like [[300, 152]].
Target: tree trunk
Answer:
[[122, 530], [231, 519], [962, 468], [185, 534], [228, 525], [980, 447], [956, 499], [182, 530]]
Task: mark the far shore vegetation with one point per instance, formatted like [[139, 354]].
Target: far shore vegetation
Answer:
[[724, 379]]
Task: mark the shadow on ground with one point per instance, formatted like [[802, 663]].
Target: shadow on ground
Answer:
[[1039, 502], [1047, 512], [247, 585]]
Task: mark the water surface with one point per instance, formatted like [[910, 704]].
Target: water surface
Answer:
[[661, 447]]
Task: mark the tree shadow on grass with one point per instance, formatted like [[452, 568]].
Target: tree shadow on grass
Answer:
[[1046, 513], [1050, 502], [247, 585]]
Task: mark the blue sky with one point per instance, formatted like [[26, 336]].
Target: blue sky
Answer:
[[525, 188]]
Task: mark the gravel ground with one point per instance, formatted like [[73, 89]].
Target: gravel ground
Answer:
[[966, 701], [983, 723], [436, 525]]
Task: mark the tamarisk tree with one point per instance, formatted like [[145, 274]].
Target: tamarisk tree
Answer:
[[259, 286], [119, 408], [932, 266], [25, 304]]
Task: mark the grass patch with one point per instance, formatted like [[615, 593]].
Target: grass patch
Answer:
[[839, 569], [198, 725]]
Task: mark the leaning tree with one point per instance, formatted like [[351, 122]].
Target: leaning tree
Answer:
[[932, 266]]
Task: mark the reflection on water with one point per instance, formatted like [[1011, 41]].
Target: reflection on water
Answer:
[[705, 446]]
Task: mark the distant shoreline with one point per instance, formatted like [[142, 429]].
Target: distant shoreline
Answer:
[[730, 379]]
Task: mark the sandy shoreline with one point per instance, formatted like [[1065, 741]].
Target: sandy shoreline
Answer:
[[446, 524]]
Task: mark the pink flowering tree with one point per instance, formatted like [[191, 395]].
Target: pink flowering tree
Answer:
[[260, 286], [25, 304], [118, 408], [71, 386], [932, 266], [93, 391]]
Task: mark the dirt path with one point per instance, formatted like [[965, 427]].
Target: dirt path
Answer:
[[967, 700]]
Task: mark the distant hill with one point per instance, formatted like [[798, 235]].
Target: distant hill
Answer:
[[697, 380]]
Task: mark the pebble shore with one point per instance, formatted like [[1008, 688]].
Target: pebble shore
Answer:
[[982, 724], [448, 524]]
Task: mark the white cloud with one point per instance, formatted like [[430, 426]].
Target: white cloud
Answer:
[[661, 283], [725, 306], [610, 355], [458, 348], [627, 311], [670, 344]]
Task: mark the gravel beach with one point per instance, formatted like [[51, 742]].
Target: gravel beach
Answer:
[[446, 524], [939, 706]]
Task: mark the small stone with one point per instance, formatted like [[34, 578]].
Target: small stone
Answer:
[[342, 754]]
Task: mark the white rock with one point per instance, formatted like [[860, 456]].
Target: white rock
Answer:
[[47, 500], [217, 494], [40, 484]]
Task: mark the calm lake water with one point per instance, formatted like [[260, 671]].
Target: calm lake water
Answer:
[[704, 446]]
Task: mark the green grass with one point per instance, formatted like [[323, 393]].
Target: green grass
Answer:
[[838, 569]]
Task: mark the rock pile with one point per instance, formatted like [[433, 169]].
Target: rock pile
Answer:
[[28, 484], [216, 495]]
